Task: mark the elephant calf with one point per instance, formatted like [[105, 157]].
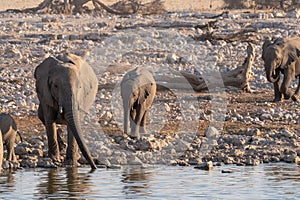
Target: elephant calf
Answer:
[[8, 128], [282, 56], [138, 89]]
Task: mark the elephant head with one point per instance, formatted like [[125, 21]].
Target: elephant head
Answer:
[[66, 88], [279, 54]]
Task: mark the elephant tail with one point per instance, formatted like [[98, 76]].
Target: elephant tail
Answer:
[[20, 136]]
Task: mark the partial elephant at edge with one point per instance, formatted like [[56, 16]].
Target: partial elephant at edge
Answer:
[[282, 56], [8, 129]]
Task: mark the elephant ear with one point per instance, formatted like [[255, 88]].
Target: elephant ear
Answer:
[[266, 44], [41, 74], [87, 84], [291, 54]]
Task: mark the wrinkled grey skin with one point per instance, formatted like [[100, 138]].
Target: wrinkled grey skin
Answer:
[[138, 89], [66, 87], [282, 56], [8, 128]]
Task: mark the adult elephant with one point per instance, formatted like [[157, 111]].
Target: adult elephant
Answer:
[[8, 128], [282, 56], [66, 87], [138, 89]]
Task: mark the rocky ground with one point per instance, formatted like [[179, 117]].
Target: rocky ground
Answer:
[[223, 125]]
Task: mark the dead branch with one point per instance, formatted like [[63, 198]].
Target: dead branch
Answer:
[[175, 24], [77, 6], [244, 35], [135, 8]]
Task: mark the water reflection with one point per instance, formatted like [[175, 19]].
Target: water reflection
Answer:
[[64, 183], [136, 181], [270, 181], [7, 181], [278, 173]]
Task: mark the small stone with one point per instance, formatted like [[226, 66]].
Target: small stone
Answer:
[[252, 161], [167, 107], [173, 58], [205, 166], [20, 150], [38, 152], [266, 116], [226, 171]]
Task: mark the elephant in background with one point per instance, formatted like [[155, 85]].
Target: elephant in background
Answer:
[[8, 128], [282, 56], [138, 89], [66, 87]]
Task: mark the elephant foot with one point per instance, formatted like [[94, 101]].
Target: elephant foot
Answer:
[[276, 99], [287, 95], [56, 158], [134, 136], [71, 163], [72, 159], [295, 98]]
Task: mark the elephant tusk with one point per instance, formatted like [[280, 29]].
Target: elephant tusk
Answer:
[[61, 110]]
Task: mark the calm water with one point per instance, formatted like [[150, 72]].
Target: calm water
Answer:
[[270, 181]]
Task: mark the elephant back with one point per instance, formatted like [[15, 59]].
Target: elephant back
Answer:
[[136, 78]]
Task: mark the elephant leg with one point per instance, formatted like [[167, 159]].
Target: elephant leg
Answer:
[[61, 144], [297, 92], [41, 114], [126, 118], [10, 147], [53, 148], [143, 122], [72, 150], [133, 125], [48, 119], [138, 120], [288, 76], [277, 92]]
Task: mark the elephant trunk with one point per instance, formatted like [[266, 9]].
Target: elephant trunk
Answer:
[[73, 124], [272, 75]]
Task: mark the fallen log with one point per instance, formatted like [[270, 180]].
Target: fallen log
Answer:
[[239, 78]]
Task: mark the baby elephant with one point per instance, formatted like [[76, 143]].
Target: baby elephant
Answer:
[[138, 89], [8, 128]]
